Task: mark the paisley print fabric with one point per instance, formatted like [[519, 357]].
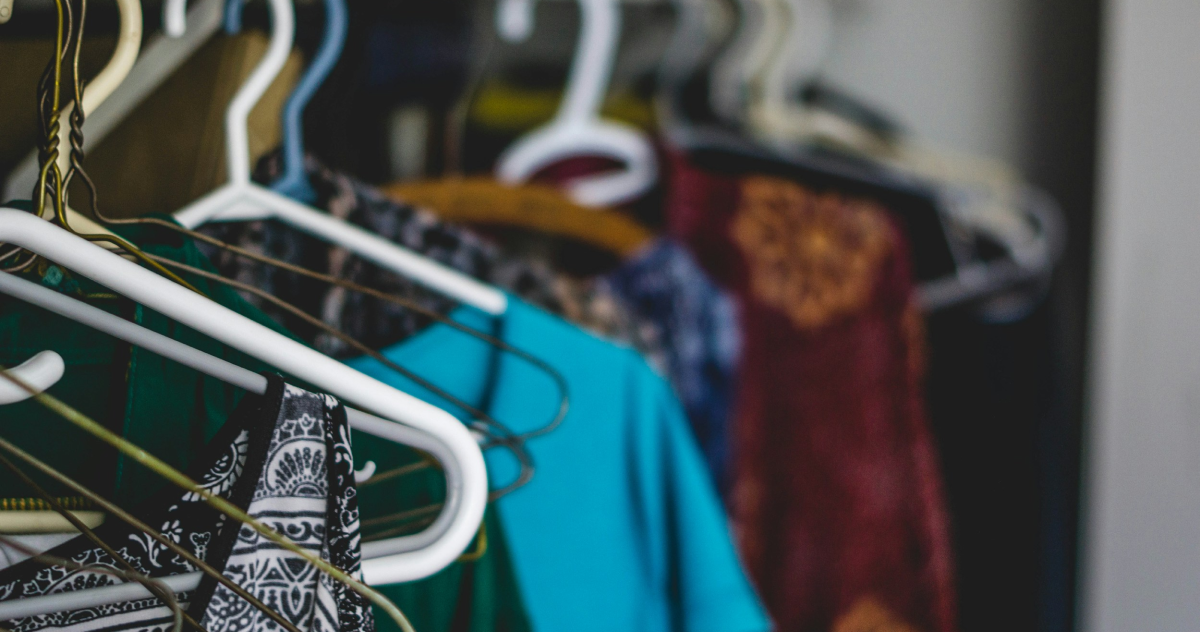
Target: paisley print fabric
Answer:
[[375, 322], [283, 457]]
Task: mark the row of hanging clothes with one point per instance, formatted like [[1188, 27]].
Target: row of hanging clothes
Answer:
[[656, 372]]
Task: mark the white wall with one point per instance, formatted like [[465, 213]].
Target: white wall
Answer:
[[954, 71], [1142, 568]]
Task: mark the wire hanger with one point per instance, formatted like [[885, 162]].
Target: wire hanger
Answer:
[[293, 182], [73, 600], [155, 586], [53, 180], [577, 129], [129, 41], [240, 199], [466, 474], [161, 57]]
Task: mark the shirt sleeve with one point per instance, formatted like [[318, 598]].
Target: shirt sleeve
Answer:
[[688, 532]]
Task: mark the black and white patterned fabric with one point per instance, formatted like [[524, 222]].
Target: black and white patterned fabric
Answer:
[[285, 459]]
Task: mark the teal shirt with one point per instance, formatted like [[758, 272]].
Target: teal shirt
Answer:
[[620, 528], [172, 411]]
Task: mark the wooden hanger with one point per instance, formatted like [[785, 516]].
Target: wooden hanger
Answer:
[[542, 208]]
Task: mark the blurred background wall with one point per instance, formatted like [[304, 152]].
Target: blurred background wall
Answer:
[[1142, 568], [1015, 80]]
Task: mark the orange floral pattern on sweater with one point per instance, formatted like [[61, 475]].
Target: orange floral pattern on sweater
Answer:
[[813, 256], [868, 615]]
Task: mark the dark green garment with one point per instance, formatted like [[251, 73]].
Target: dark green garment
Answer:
[[163, 407], [486, 594], [171, 411], [166, 408]]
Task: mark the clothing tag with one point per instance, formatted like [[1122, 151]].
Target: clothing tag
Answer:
[[54, 274], [56, 278]]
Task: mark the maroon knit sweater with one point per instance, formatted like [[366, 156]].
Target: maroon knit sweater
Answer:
[[837, 498]]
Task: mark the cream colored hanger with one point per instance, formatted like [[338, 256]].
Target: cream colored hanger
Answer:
[[104, 104], [998, 204], [40, 369]]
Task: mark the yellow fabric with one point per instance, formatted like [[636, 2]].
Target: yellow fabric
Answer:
[[538, 207], [503, 107]]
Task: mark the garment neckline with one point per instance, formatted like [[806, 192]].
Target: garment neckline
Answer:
[[426, 344]]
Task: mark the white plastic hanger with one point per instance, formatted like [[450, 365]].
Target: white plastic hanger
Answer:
[[760, 26], [240, 199], [41, 372], [387, 561], [795, 58], [577, 129], [39, 379]]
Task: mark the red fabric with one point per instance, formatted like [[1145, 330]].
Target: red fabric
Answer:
[[837, 498], [564, 171]]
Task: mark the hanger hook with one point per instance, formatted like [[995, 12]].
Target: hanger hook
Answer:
[[294, 181], [514, 20], [237, 139], [174, 17]]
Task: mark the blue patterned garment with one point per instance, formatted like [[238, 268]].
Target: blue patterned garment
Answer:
[[700, 341]]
